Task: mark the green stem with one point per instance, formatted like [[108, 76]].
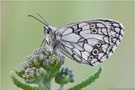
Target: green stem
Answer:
[[52, 75], [50, 85], [45, 85], [61, 87], [41, 84]]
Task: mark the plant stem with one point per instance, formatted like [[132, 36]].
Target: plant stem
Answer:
[[61, 87], [50, 85], [41, 84], [52, 75]]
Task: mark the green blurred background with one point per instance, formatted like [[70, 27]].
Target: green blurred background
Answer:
[[21, 35]]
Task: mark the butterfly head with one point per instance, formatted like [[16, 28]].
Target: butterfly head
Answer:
[[49, 34], [47, 30]]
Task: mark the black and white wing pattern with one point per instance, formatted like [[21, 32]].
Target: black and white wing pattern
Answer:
[[91, 41]]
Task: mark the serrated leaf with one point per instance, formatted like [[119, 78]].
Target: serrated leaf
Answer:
[[21, 84], [88, 81]]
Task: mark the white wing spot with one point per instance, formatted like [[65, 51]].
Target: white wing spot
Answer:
[[120, 37], [71, 37], [76, 51], [82, 24], [69, 50], [85, 55], [115, 24], [106, 39], [113, 34], [86, 27], [77, 58], [114, 40], [75, 27], [104, 47], [92, 41], [78, 47], [87, 36], [122, 31], [100, 55], [67, 44], [69, 30], [104, 31], [85, 32], [88, 47], [100, 25], [93, 61]]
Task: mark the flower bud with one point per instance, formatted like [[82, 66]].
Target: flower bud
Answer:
[[34, 75], [64, 76], [43, 64], [21, 70]]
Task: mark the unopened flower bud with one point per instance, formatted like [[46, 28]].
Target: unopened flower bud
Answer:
[[34, 75], [64, 76]]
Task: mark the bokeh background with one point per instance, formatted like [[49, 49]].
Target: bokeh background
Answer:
[[21, 35]]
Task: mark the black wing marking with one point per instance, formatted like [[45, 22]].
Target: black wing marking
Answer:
[[91, 41]]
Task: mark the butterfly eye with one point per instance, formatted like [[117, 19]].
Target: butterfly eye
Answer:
[[48, 31], [95, 52]]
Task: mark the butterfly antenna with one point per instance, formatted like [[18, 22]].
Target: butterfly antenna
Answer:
[[42, 18], [38, 20]]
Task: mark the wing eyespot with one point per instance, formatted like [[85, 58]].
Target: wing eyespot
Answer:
[[92, 26], [98, 44], [95, 40], [91, 57], [94, 31], [95, 52]]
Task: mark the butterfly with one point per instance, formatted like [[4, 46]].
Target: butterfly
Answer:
[[86, 42]]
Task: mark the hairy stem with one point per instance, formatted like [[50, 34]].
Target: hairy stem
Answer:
[[61, 87], [41, 84]]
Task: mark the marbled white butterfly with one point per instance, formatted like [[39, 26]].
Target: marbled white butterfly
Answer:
[[86, 42]]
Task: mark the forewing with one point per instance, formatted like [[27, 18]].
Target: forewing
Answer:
[[91, 41]]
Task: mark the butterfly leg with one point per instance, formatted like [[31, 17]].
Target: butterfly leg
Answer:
[[43, 42]]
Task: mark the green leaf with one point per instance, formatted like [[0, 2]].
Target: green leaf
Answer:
[[22, 85], [88, 81]]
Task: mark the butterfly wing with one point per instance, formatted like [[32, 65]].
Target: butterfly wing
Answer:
[[91, 41]]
